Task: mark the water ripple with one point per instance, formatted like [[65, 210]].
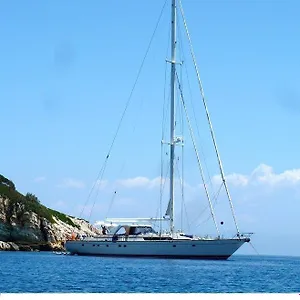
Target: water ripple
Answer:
[[45, 272]]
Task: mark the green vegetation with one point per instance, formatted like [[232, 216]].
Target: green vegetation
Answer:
[[31, 197], [29, 202], [7, 182], [62, 217]]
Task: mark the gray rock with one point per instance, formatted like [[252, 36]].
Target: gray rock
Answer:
[[26, 230], [13, 246], [4, 246]]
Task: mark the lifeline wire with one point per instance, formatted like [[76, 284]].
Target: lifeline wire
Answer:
[[102, 170]]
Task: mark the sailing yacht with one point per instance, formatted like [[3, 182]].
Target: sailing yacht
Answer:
[[137, 237]]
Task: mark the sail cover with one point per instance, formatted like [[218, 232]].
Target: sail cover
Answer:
[[168, 211]]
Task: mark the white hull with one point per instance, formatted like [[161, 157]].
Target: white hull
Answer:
[[200, 249]]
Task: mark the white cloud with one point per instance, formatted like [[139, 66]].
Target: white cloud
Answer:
[[264, 175], [139, 182], [257, 184], [39, 179], [233, 179], [72, 183]]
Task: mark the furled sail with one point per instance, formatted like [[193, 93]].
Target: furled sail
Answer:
[[169, 208]]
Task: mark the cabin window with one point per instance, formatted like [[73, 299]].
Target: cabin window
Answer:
[[93, 245], [121, 231], [120, 245], [174, 245], [82, 245], [125, 246], [141, 230], [107, 245], [193, 245]]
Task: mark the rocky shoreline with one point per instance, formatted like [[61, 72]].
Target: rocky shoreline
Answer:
[[40, 235], [27, 225], [11, 246]]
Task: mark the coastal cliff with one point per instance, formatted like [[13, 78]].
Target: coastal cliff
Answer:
[[26, 224]]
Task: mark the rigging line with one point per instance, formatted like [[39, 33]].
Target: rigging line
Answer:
[[164, 105], [197, 155], [162, 137], [182, 170], [182, 199], [194, 115], [166, 64], [181, 114], [98, 189], [183, 205], [214, 204], [205, 208], [92, 189], [161, 185], [115, 186], [198, 131], [215, 198], [180, 44], [165, 111], [111, 203], [208, 118], [203, 222], [163, 182], [164, 122], [207, 219], [182, 194], [181, 184], [137, 78], [254, 248], [129, 99]]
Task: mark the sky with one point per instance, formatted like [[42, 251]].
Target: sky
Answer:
[[68, 68]]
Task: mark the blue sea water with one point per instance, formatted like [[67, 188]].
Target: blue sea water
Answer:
[[37, 272]]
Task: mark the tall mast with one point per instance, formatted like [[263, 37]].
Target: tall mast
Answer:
[[172, 117]]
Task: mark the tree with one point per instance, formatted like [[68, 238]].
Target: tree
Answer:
[[32, 198]]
